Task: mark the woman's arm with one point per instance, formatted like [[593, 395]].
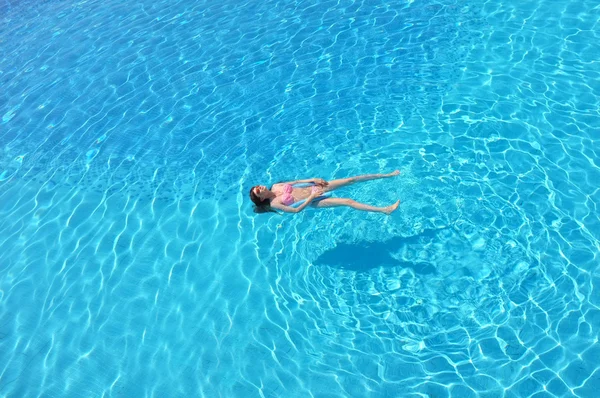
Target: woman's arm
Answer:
[[301, 181], [290, 209], [316, 181], [303, 205]]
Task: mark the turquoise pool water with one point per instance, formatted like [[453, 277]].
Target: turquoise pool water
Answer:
[[132, 265]]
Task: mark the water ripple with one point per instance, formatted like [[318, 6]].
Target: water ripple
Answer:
[[133, 265]]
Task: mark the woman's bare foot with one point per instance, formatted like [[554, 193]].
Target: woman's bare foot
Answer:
[[393, 173], [390, 209]]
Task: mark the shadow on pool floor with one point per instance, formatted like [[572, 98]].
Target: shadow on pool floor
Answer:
[[365, 255]]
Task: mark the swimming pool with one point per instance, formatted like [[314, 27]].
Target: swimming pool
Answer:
[[132, 264]]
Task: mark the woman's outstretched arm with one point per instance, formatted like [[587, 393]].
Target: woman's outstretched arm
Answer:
[[300, 181], [317, 181], [290, 209]]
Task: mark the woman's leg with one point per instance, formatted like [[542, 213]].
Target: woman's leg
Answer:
[[335, 184], [336, 202]]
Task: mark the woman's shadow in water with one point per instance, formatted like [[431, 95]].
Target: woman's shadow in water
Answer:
[[365, 255]]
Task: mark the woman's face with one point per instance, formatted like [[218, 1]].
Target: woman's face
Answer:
[[261, 191]]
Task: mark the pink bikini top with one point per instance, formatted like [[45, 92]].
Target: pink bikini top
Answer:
[[287, 198]]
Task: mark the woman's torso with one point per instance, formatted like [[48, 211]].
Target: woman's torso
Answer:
[[287, 194]]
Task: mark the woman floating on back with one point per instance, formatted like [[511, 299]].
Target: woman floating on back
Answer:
[[295, 196]]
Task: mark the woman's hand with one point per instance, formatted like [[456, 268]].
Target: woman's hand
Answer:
[[320, 182], [316, 192]]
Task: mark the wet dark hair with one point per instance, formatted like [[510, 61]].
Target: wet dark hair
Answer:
[[260, 205]]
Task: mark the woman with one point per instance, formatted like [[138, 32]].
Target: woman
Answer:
[[295, 196]]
